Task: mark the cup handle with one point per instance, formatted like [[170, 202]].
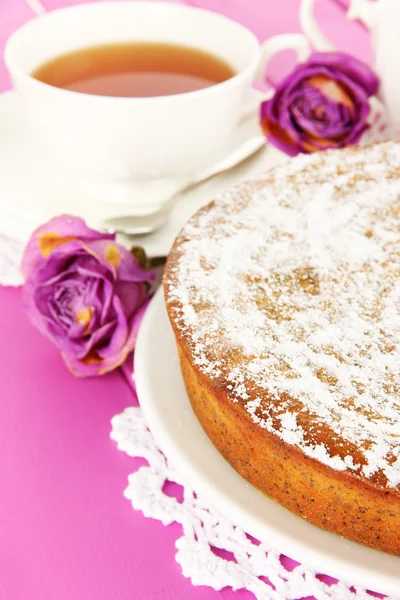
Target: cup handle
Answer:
[[271, 47]]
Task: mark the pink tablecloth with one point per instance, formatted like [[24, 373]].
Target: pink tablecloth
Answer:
[[67, 533]]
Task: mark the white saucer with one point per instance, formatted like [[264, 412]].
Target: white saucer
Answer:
[[168, 412], [34, 188]]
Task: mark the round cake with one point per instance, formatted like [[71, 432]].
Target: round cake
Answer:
[[284, 297]]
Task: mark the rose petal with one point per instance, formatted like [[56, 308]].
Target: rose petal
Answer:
[[355, 135], [351, 88], [61, 271], [275, 117], [131, 295], [66, 332], [331, 89], [285, 89], [94, 365], [278, 136], [120, 334], [356, 70], [51, 235], [333, 120], [126, 268], [101, 336]]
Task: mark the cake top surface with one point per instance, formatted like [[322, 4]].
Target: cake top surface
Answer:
[[287, 292]]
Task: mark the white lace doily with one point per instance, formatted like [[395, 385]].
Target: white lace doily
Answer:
[[248, 563]]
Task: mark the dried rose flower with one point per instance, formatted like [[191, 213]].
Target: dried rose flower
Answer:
[[323, 103], [85, 292]]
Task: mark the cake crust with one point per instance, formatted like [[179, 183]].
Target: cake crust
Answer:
[[336, 501], [341, 493]]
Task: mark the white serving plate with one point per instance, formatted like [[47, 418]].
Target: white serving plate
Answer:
[[167, 409]]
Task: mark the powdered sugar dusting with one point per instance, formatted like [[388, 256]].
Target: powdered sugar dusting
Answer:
[[287, 290]]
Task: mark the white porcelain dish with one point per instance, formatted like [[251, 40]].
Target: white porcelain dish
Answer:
[[168, 412]]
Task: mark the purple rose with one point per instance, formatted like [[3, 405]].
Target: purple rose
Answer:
[[85, 292], [322, 104]]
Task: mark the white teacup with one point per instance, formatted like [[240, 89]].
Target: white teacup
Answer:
[[115, 140]]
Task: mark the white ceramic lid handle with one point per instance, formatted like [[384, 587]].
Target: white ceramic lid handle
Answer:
[[311, 28], [364, 10]]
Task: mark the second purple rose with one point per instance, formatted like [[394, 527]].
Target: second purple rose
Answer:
[[323, 103]]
